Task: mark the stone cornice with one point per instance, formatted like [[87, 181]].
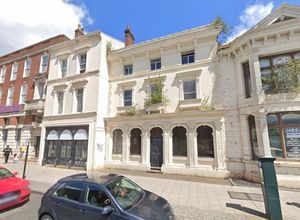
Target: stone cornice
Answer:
[[70, 116]]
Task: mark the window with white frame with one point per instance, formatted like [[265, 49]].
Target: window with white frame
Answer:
[[128, 69], [14, 71], [155, 64], [2, 74], [82, 62], [27, 67], [44, 63], [10, 96], [79, 99], [60, 102], [188, 57], [23, 94], [189, 89], [63, 67], [127, 96]]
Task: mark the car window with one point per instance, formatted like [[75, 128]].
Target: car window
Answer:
[[5, 173], [96, 197], [71, 191], [126, 192]]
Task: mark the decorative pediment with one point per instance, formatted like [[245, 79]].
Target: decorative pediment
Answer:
[[283, 13]]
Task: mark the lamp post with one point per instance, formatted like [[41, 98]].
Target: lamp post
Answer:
[[26, 155]]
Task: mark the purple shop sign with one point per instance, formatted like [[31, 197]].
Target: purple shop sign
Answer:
[[12, 108]]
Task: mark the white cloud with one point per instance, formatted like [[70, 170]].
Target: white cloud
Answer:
[[252, 14], [26, 22]]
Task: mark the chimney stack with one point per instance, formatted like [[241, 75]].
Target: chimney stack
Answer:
[[129, 38], [79, 31]]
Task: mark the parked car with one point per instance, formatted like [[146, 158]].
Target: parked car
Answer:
[[13, 190], [111, 196]]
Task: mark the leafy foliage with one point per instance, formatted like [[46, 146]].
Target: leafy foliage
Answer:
[[283, 78], [225, 29], [132, 111], [155, 92]]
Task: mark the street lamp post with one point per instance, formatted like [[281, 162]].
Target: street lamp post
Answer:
[[26, 156]]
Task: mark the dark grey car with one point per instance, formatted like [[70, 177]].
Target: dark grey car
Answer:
[[111, 196]]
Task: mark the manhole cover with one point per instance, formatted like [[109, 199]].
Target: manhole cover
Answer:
[[245, 196]]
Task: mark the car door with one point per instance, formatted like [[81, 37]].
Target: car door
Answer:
[[67, 200], [94, 203]]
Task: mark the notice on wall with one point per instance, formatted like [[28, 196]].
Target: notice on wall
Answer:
[[292, 142]]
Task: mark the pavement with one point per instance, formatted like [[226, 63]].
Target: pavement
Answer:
[[191, 197]]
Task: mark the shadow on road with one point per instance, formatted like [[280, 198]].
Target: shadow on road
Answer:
[[246, 209], [294, 204]]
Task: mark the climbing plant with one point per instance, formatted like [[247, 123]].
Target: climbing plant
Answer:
[[155, 92]]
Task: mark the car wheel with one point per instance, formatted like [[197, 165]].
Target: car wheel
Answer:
[[46, 217]]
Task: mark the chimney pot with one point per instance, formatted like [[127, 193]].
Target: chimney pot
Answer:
[[129, 38], [79, 31]]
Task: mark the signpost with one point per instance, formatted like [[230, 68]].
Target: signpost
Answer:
[[26, 156]]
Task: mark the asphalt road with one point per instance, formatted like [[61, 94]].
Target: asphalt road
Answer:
[[27, 211]]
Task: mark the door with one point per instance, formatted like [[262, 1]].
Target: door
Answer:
[[66, 201], [156, 147]]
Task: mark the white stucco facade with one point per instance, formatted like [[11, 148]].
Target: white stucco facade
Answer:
[[211, 120], [82, 86]]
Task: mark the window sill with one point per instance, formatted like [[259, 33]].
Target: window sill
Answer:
[[190, 104], [122, 109], [158, 107]]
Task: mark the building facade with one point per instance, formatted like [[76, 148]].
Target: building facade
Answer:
[[73, 131], [180, 104], [184, 104], [22, 94]]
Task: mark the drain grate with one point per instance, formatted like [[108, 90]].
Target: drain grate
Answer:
[[246, 196]]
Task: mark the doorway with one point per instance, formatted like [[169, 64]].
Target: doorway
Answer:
[[156, 148]]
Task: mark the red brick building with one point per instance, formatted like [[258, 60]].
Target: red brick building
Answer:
[[23, 75]]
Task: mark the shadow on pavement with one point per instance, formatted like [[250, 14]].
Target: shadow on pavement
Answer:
[[14, 206], [246, 209], [294, 204]]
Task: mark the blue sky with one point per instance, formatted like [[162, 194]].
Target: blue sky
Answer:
[[36, 20], [154, 18]]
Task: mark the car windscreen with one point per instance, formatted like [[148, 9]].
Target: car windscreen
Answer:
[[126, 192], [5, 173]]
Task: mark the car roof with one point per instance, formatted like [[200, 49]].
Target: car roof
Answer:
[[103, 179]]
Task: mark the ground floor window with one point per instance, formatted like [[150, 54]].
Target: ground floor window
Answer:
[[253, 137], [66, 146], [284, 134], [135, 141], [117, 141], [179, 141], [205, 143]]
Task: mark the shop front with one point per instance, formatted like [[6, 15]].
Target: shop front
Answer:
[[66, 146], [284, 134]]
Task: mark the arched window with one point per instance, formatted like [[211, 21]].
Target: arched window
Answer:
[[81, 134], [205, 141], [66, 135], [135, 141], [179, 141], [53, 135], [117, 141]]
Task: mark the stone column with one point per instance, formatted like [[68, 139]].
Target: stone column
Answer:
[[126, 145], [262, 134], [218, 136], [245, 137], [145, 146], [167, 145], [256, 78], [192, 145]]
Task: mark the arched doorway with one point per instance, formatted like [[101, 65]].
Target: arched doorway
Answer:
[[205, 142], [156, 148]]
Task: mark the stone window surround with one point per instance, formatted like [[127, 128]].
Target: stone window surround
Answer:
[[126, 86], [192, 159], [188, 76], [26, 67]]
